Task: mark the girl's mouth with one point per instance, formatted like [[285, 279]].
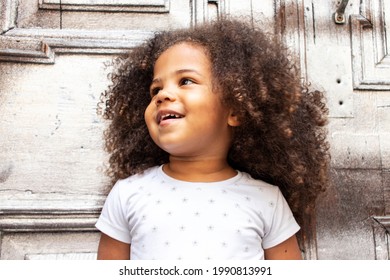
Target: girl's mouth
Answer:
[[168, 115]]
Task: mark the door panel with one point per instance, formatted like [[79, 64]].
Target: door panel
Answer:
[[53, 67]]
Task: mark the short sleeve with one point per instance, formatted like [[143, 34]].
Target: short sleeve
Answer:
[[283, 224], [112, 220]]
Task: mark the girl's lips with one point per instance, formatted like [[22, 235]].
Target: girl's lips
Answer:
[[167, 115]]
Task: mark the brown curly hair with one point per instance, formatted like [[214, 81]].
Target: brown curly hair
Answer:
[[282, 136]]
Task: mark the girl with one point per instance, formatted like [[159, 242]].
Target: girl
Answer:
[[205, 123]]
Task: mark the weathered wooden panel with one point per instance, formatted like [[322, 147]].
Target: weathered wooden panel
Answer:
[[381, 231], [34, 33], [20, 246], [328, 56], [41, 45], [104, 15], [51, 150], [386, 184], [345, 211], [49, 213], [370, 41], [61, 257], [51, 134], [145, 6], [358, 130], [355, 151], [289, 16], [8, 10]]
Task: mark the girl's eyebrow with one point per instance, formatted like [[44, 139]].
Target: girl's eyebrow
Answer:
[[180, 71], [188, 70]]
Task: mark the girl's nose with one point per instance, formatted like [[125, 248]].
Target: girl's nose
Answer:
[[164, 95]]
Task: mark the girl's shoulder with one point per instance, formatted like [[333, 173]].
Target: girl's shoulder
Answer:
[[259, 191], [251, 183], [136, 181], [263, 197], [146, 174]]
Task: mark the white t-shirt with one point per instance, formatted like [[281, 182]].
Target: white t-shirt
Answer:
[[164, 218]]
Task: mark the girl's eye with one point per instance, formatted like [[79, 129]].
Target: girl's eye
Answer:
[[185, 82], [154, 91]]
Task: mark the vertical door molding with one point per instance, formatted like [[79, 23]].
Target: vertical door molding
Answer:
[[290, 25], [206, 10], [7, 15], [381, 230], [370, 42]]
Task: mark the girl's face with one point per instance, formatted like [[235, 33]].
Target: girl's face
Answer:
[[185, 117]]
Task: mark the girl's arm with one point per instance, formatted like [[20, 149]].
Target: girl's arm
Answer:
[[287, 250], [112, 249]]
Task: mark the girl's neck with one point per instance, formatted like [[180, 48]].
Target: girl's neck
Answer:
[[210, 170]]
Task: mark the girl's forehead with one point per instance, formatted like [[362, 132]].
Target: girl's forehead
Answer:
[[184, 45], [181, 54]]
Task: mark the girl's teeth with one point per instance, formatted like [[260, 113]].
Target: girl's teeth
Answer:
[[171, 116]]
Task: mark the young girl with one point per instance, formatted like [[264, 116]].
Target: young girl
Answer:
[[205, 123]]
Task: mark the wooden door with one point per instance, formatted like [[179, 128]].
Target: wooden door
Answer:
[[352, 62], [53, 56]]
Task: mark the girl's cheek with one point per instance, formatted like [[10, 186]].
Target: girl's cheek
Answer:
[[148, 116], [147, 113]]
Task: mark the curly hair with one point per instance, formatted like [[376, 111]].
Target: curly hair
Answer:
[[282, 136]]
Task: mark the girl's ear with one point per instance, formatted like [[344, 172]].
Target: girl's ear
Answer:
[[233, 119]]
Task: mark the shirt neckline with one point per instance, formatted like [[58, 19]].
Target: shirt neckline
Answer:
[[171, 180]]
